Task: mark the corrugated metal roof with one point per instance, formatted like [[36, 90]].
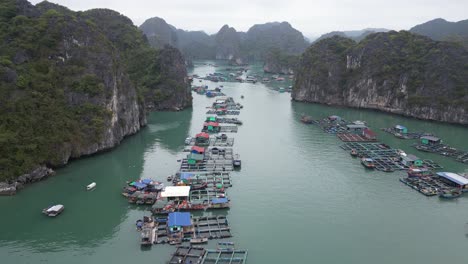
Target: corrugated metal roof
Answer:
[[453, 177], [176, 191], [179, 219]]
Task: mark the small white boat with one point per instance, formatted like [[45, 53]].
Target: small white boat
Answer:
[[53, 210], [91, 186], [199, 240]]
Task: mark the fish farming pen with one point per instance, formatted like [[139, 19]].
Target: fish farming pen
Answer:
[[444, 150], [222, 129], [207, 165], [219, 256], [429, 186], [206, 195], [228, 120], [385, 158], [211, 179], [399, 132], [185, 254], [222, 113], [220, 154], [213, 142], [350, 137], [212, 227]]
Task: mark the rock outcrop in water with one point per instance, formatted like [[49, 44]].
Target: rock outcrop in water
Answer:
[[396, 72], [73, 84]]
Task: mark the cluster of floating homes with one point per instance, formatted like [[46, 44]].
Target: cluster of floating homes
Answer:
[[360, 141], [200, 184]]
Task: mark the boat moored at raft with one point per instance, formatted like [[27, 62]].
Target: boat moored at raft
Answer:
[[368, 163], [450, 194]]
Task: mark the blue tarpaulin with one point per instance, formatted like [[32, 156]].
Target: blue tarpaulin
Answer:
[[179, 219], [185, 175], [138, 185], [146, 181], [219, 200]]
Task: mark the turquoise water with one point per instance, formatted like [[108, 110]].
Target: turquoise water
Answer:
[[299, 198]]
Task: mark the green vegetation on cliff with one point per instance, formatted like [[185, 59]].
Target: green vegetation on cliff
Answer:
[[64, 77], [395, 71]]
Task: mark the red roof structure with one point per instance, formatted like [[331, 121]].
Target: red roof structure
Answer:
[[203, 135], [198, 150], [213, 124]]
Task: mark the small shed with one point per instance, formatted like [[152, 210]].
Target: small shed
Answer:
[[356, 128], [411, 160], [202, 137], [369, 134], [176, 192], [198, 150], [455, 179], [401, 129], [178, 222], [194, 158], [430, 140], [211, 119]]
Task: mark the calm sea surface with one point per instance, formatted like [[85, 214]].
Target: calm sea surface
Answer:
[[299, 197]]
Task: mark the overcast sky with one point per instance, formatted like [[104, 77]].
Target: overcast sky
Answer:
[[312, 17]]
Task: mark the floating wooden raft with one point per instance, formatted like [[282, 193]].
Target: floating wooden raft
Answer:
[[409, 135], [444, 150], [212, 179], [348, 137], [215, 142], [185, 254], [228, 112], [207, 165], [385, 159], [212, 227], [215, 256]]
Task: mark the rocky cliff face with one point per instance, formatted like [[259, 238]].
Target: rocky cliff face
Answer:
[[159, 33], [395, 72], [279, 63], [79, 78], [227, 44]]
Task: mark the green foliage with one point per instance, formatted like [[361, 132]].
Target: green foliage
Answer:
[[89, 84]]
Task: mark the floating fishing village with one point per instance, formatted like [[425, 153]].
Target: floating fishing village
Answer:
[[423, 175], [200, 184]]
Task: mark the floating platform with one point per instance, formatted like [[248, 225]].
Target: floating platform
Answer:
[[385, 158], [429, 186], [223, 129], [228, 112], [444, 150], [218, 256], [207, 165], [228, 120], [212, 227], [408, 135], [214, 142], [184, 254], [212, 179], [349, 137]]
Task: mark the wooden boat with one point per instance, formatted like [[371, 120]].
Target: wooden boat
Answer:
[[353, 153], [236, 163], [53, 210], [242, 97], [198, 240], [169, 178], [368, 163], [91, 186], [450, 194]]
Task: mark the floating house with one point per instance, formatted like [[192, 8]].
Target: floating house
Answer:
[[430, 140], [401, 129], [211, 119], [454, 180], [219, 203], [411, 160], [212, 127], [202, 138], [178, 224], [175, 193], [356, 128], [194, 158], [198, 150]]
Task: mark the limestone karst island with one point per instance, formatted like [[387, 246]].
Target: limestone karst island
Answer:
[[214, 132]]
